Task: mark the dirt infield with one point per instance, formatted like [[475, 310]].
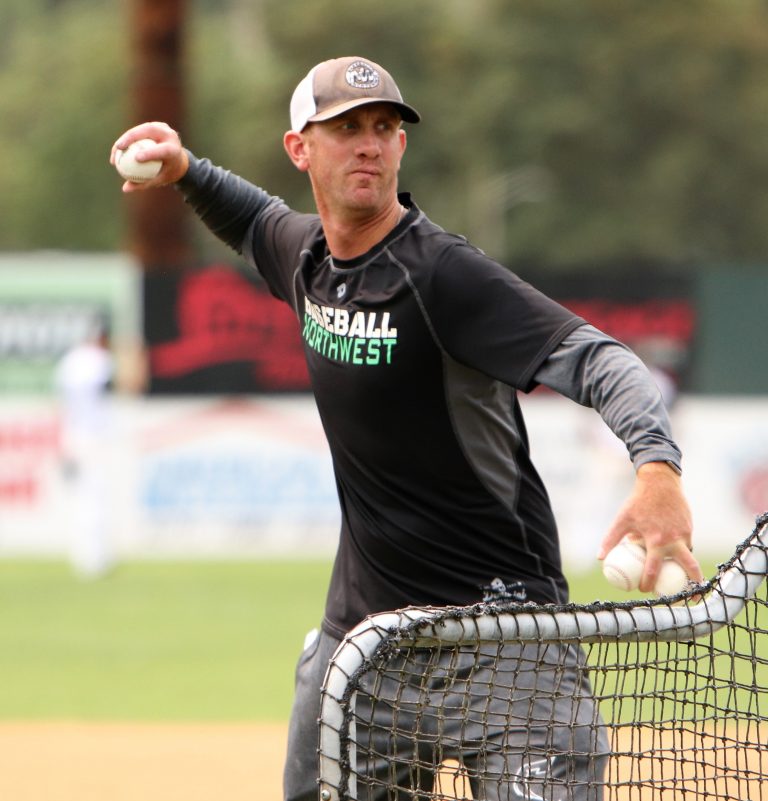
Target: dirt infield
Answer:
[[243, 762], [140, 762]]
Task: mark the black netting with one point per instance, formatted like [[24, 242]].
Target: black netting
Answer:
[[594, 717]]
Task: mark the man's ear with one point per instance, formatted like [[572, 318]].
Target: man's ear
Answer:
[[296, 148]]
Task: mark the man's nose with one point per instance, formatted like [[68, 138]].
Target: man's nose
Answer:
[[368, 144]]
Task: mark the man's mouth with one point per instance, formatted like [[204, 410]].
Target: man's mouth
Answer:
[[368, 171]]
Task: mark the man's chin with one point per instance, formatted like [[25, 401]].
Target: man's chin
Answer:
[[365, 204]]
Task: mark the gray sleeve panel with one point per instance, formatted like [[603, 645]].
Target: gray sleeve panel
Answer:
[[595, 370], [485, 430], [489, 437]]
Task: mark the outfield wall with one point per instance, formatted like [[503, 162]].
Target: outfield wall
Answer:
[[238, 477]]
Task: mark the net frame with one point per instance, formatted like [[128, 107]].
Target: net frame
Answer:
[[696, 614]]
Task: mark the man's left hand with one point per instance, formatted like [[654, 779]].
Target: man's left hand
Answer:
[[657, 516]]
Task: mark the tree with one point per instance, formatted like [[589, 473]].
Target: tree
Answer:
[[553, 133]]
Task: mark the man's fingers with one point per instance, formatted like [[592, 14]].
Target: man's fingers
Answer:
[[678, 553], [167, 149], [168, 141]]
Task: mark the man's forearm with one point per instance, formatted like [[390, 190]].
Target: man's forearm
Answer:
[[594, 370], [226, 203]]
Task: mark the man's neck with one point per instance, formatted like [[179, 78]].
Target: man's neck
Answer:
[[349, 237]]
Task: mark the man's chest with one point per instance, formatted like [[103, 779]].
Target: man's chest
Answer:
[[367, 336]]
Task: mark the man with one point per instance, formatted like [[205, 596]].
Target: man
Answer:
[[416, 344]]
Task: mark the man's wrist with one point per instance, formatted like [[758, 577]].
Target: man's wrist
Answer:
[[660, 465]]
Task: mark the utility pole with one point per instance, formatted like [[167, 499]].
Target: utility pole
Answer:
[[158, 219]]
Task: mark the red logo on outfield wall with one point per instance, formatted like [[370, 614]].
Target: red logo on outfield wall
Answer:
[[224, 319]]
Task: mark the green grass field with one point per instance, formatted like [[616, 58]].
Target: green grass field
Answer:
[[155, 640], [171, 641]]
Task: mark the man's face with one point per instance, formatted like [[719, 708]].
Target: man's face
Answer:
[[353, 160]]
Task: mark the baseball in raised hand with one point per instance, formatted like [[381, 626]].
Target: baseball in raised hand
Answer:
[[149, 155]]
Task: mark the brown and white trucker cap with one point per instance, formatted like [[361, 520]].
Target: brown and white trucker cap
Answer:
[[333, 87]]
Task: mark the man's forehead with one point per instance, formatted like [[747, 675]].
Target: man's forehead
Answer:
[[379, 110]]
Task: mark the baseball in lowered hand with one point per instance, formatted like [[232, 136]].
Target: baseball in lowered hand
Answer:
[[137, 171], [624, 564], [672, 579]]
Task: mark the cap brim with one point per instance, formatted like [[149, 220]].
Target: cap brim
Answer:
[[408, 113]]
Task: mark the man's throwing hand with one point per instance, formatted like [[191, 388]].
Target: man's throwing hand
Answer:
[[167, 149]]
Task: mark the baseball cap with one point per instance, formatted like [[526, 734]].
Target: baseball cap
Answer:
[[335, 86]]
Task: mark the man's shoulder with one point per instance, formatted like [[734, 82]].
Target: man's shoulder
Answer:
[[300, 227], [431, 248], [431, 239]]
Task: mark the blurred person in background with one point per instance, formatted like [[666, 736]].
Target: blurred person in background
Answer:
[[83, 379]]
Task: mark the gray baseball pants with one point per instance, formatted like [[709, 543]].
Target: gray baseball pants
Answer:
[[530, 732]]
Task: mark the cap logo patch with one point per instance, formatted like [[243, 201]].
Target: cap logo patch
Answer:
[[361, 75]]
